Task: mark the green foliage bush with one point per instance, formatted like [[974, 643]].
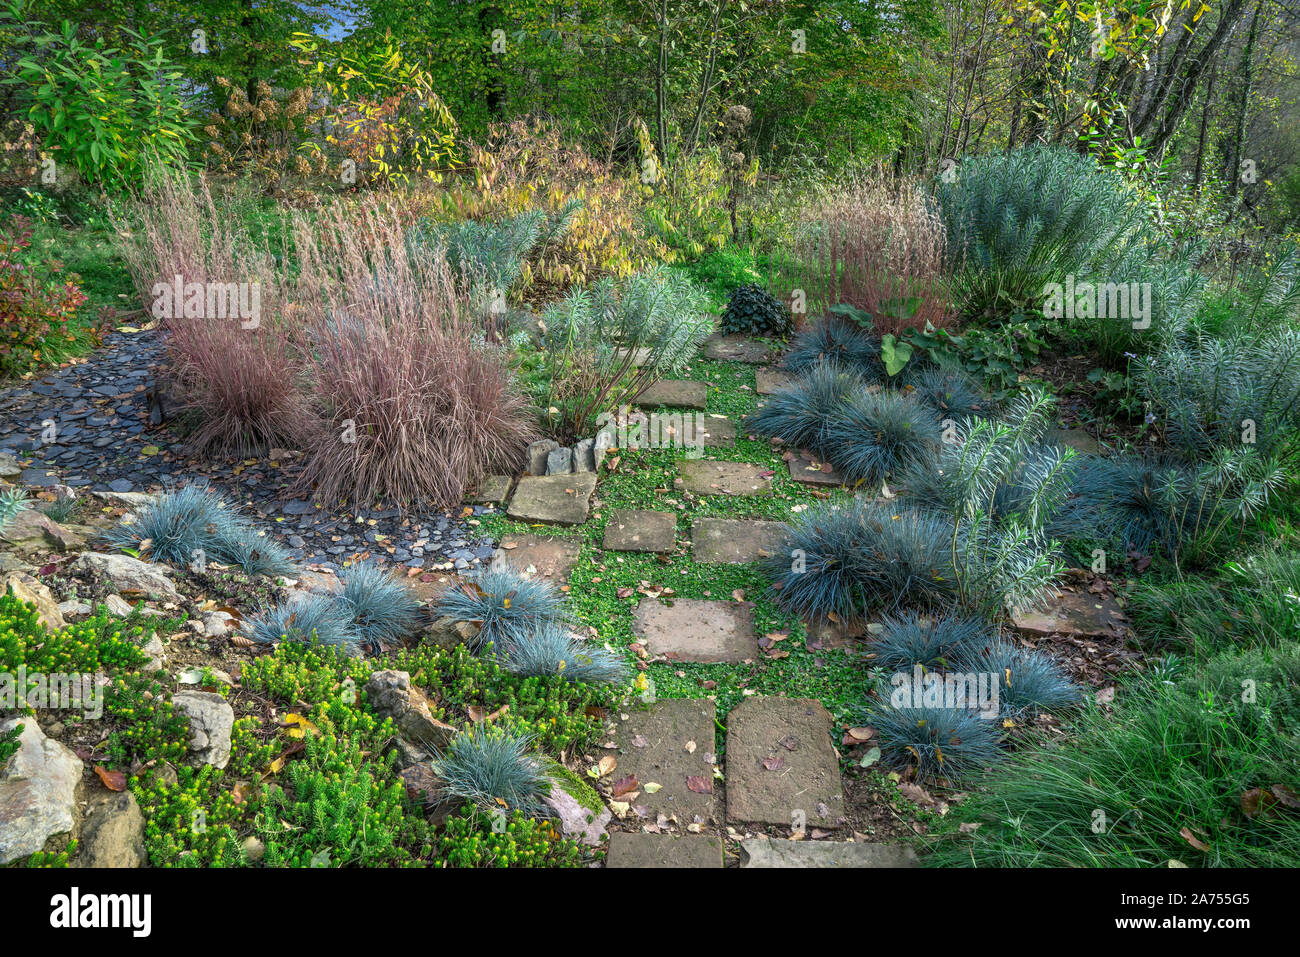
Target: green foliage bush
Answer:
[[102, 110], [607, 342]]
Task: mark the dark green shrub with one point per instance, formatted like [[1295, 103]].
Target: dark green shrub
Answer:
[[753, 311]]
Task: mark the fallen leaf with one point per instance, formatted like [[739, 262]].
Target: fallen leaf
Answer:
[[774, 763], [625, 785], [1187, 835], [113, 780], [699, 785]]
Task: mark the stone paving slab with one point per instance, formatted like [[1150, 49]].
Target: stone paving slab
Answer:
[[493, 490], [670, 743], [718, 433], [807, 471], [674, 394], [781, 766], [696, 630], [538, 556], [708, 477], [664, 850], [736, 540], [554, 499], [634, 530], [830, 635], [772, 852], [768, 380], [737, 349], [1080, 440], [1073, 611]]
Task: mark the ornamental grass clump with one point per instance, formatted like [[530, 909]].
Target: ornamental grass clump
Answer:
[[413, 405], [194, 525], [848, 560], [382, 608], [951, 393], [877, 435], [550, 649], [1029, 682], [909, 639], [373, 610], [850, 346], [954, 743], [494, 769], [799, 413], [506, 606]]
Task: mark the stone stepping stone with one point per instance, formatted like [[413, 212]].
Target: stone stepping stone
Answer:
[[832, 635], [670, 743], [554, 499], [737, 349], [1075, 612], [768, 380], [630, 530], [781, 766], [696, 630], [493, 490], [1079, 440], [736, 540], [716, 433], [538, 556], [808, 471], [674, 394], [663, 850], [773, 852], [709, 477]]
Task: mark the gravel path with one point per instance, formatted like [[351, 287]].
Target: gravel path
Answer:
[[87, 426]]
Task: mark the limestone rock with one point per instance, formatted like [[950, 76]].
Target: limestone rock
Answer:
[[38, 788], [211, 719], [129, 574], [27, 589], [113, 835], [391, 696]]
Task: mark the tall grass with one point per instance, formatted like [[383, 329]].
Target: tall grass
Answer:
[[243, 385], [1134, 788], [878, 243], [413, 404]]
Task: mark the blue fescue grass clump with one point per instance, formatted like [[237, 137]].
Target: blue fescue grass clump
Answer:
[[875, 435], [848, 559], [552, 650], [1028, 681], [194, 523], [381, 607], [953, 743], [798, 413], [910, 638], [507, 606], [951, 393], [372, 609], [318, 616], [486, 766], [838, 341]]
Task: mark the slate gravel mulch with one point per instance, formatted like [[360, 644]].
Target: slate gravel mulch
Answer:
[[97, 413]]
